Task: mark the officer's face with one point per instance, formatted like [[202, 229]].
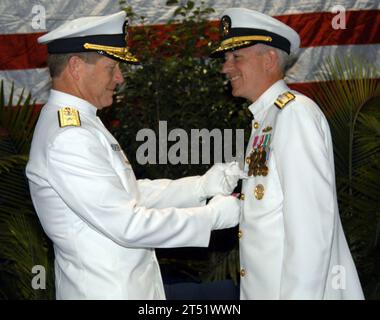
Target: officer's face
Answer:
[[100, 80], [245, 69]]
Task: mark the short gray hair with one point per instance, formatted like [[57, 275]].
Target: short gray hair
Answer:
[[58, 61], [285, 61]]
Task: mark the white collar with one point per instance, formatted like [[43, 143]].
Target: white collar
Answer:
[[268, 97], [61, 99]]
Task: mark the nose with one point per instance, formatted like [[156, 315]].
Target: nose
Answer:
[[118, 75], [227, 64]]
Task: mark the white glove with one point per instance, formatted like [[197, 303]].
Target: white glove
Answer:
[[226, 211], [221, 178]]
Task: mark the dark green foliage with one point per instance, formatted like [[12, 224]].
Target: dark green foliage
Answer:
[[177, 83], [23, 244]]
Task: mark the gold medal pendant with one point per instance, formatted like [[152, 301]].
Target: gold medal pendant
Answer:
[[252, 162], [262, 162], [264, 170]]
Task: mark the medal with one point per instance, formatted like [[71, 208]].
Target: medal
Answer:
[[252, 162], [257, 160]]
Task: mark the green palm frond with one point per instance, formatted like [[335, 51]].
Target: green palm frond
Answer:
[[19, 120], [23, 245], [367, 138], [14, 190], [348, 85], [9, 162]]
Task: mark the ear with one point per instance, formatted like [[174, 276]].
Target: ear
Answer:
[[75, 65], [270, 59]]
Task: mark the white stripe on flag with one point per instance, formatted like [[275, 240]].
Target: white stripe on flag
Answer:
[[308, 65], [17, 15], [156, 12], [35, 81]]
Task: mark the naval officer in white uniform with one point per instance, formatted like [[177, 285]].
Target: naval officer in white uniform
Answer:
[[292, 244], [103, 222]]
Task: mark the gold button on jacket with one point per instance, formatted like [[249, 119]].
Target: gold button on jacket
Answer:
[[259, 191]]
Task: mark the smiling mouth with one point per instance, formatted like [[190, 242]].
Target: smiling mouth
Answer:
[[234, 78]]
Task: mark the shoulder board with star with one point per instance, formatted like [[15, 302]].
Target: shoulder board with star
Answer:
[[283, 99], [68, 116]]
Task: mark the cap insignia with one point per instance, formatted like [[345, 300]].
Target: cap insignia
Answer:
[[225, 26], [125, 30], [284, 99], [68, 116]]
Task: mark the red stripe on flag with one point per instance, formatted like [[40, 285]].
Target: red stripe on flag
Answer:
[[21, 51], [315, 29], [307, 88]]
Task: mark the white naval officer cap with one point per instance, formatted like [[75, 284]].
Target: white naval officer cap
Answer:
[[106, 35], [240, 27]]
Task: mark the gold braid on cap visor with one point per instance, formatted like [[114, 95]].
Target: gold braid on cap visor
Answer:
[[240, 41], [118, 52]]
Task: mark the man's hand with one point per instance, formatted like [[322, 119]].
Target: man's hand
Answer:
[[221, 178], [226, 211]]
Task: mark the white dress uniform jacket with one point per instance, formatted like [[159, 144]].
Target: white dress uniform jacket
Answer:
[[99, 217], [292, 244]]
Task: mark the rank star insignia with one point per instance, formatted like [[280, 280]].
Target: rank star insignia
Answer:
[[125, 26], [225, 25], [68, 116]]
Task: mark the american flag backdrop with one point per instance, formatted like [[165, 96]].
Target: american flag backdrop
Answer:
[[327, 28]]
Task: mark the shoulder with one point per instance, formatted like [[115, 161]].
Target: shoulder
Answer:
[[68, 126], [294, 104], [75, 136]]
